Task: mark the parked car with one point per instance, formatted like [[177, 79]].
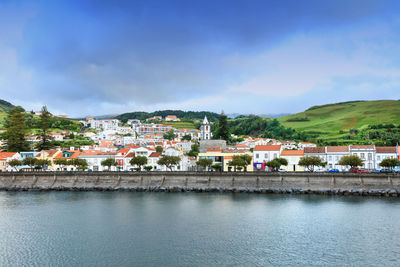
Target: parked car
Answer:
[[386, 171], [359, 170], [333, 170], [282, 170]]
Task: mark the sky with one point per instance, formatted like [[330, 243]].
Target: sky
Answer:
[[95, 57]]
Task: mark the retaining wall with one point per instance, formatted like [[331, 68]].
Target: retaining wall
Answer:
[[320, 183]]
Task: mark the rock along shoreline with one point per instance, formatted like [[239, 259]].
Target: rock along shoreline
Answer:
[[179, 189]]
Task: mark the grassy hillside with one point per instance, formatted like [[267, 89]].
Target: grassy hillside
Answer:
[[334, 120], [181, 124]]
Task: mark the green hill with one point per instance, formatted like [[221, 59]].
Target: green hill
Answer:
[[4, 107], [57, 124], [185, 115], [332, 121]]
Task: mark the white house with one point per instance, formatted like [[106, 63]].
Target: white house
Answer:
[[264, 153], [293, 157], [94, 159], [366, 153], [384, 152], [333, 156], [316, 152]]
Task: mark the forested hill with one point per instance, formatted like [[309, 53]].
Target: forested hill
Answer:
[[5, 106], [190, 115]]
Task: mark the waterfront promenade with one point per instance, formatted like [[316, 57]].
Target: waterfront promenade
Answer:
[[250, 182]]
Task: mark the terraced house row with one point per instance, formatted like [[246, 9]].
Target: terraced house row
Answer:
[[370, 154]]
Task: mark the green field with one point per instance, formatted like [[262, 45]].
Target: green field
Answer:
[[329, 121], [180, 124]]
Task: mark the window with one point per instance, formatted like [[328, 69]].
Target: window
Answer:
[[369, 156], [362, 155], [257, 156], [266, 155], [378, 157], [275, 155], [330, 158]]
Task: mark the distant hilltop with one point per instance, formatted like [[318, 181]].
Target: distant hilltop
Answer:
[[344, 120], [192, 115]]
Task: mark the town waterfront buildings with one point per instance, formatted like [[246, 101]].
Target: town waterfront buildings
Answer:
[[122, 142]]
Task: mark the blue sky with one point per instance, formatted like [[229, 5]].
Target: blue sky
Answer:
[[103, 57]]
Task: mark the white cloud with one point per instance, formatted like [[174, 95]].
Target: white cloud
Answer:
[[308, 62]]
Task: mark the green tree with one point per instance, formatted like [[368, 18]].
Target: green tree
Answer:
[[247, 159], [389, 163], [159, 149], [205, 163], [311, 162], [169, 135], [275, 164], [138, 161], [62, 162], [169, 161], [237, 162], [29, 161], [80, 164], [15, 136], [194, 151], [352, 161], [187, 137], [42, 163], [217, 167], [45, 123], [14, 163], [108, 163], [148, 168], [223, 129]]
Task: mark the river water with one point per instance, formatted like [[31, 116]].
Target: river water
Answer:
[[189, 229]]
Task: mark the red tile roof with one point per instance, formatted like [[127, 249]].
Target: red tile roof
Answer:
[[130, 155], [314, 150], [5, 155], [155, 154], [292, 153], [362, 146], [385, 149], [124, 150], [213, 149], [337, 149], [267, 148]]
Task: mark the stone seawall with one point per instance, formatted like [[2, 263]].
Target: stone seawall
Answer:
[[295, 183]]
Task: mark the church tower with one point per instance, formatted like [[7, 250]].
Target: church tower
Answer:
[[205, 130]]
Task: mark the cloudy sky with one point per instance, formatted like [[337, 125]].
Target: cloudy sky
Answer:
[[83, 57]]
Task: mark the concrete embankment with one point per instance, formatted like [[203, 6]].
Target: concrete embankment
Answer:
[[291, 183]]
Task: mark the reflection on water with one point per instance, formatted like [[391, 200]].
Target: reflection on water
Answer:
[[187, 229]]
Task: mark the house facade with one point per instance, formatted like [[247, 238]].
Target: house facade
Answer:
[[366, 153], [265, 153], [293, 157]]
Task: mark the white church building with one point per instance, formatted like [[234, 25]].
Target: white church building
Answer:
[[205, 130]]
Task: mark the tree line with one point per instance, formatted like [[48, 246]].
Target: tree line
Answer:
[[189, 115], [18, 126]]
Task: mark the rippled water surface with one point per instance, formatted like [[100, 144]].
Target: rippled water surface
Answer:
[[188, 229]]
